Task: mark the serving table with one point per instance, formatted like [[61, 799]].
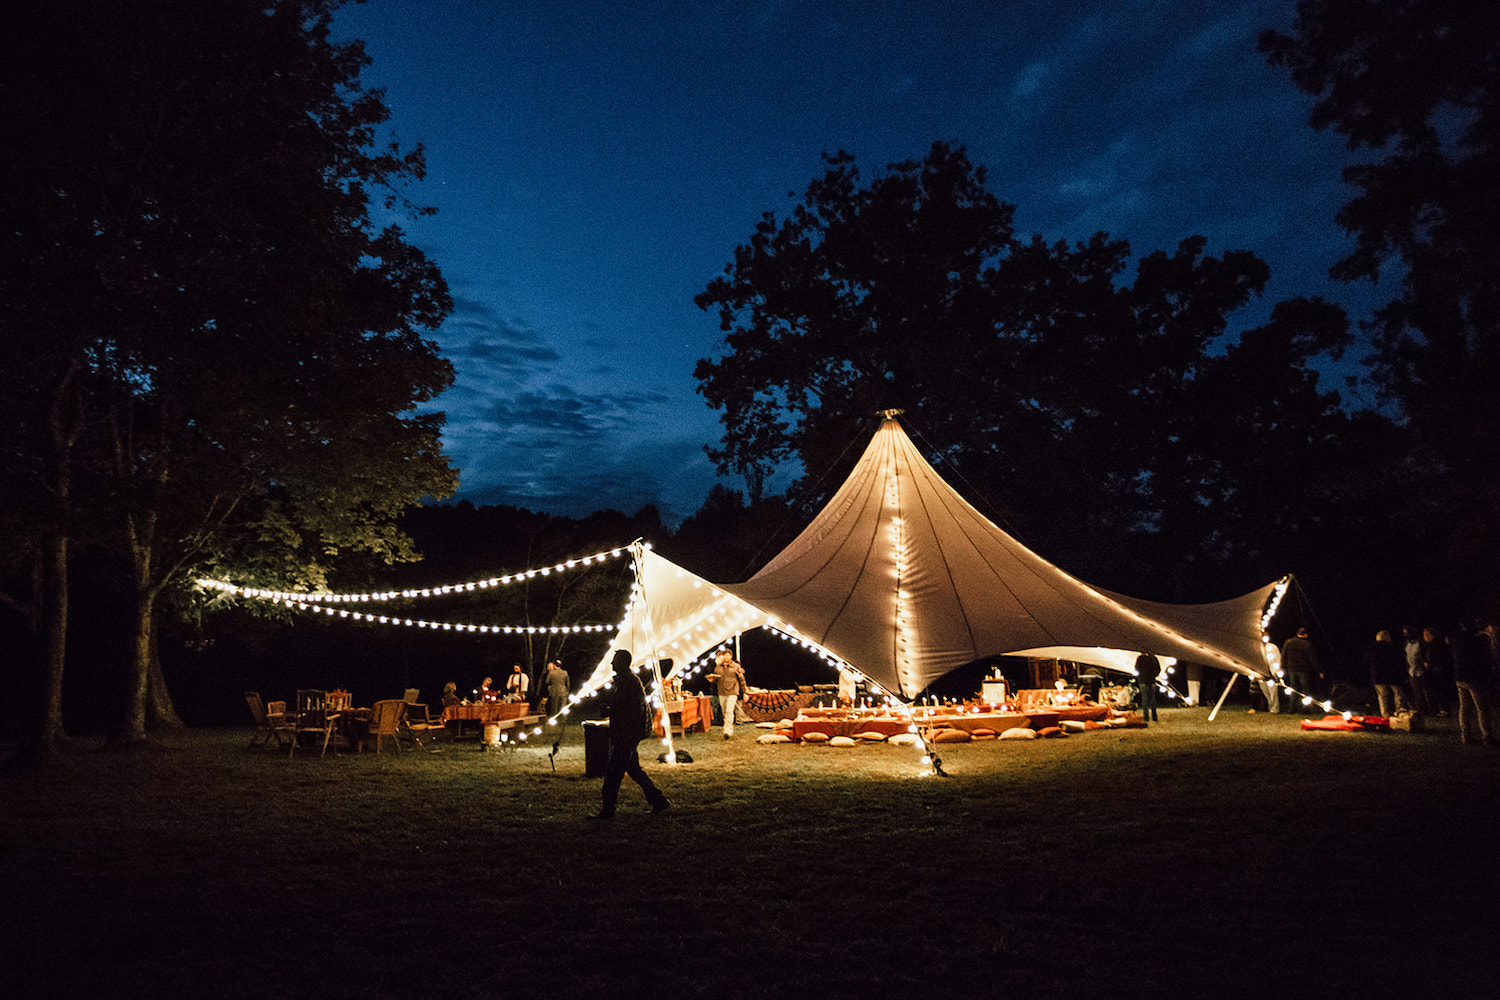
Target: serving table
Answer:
[[694, 712]]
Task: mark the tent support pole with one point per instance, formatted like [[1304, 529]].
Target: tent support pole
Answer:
[[1220, 703]]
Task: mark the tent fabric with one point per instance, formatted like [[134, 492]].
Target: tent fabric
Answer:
[[903, 579]]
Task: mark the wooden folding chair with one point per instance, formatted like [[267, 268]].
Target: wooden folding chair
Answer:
[[270, 721]]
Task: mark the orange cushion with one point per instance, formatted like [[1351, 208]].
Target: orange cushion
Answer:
[[1050, 732], [951, 736]]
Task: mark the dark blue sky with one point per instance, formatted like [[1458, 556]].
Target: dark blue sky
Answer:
[[595, 165]]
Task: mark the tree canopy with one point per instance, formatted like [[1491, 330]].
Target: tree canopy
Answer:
[[1416, 84], [1076, 391], [220, 342]]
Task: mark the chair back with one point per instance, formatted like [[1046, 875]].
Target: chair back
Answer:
[[411, 695], [309, 700], [275, 709], [257, 707], [386, 719]]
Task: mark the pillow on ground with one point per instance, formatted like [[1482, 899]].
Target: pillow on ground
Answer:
[[841, 741], [765, 725], [903, 739], [873, 737], [1019, 733], [788, 732], [784, 724], [1051, 732], [815, 737], [951, 736], [773, 738], [982, 734], [1073, 725]]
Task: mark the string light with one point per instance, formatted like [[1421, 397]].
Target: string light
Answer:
[[327, 597], [444, 626]]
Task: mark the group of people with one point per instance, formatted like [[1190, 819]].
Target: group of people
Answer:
[[552, 696], [1430, 671]]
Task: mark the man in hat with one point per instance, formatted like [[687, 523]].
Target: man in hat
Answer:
[[629, 722]]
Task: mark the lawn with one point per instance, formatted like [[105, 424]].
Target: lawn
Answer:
[[1240, 857]]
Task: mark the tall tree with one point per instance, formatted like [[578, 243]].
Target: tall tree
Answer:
[[216, 322], [1416, 84], [1062, 391]]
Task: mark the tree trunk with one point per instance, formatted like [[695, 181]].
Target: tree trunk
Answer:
[[55, 634], [160, 712], [133, 726], [64, 417]]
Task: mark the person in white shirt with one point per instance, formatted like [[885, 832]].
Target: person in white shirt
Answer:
[[516, 684]]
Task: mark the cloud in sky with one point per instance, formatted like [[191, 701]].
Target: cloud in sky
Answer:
[[595, 166]]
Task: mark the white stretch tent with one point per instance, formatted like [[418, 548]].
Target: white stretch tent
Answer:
[[901, 578]]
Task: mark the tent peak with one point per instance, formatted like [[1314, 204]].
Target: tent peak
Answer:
[[891, 414]]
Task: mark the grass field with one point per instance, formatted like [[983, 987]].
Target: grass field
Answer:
[[1241, 857]]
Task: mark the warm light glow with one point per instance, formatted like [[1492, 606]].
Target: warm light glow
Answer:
[[326, 597]]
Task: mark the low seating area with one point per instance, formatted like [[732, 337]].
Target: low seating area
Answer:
[[951, 723]]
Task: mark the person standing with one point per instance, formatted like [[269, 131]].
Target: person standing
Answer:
[[729, 677], [1412, 641], [517, 684], [1300, 662], [1147, 670], [1387, 669], [1437, 668], [557, 682], [629, 722], [1471, 676]]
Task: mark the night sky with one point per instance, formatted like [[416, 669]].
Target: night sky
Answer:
[[595, 165]]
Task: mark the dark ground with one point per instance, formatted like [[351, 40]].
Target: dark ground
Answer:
[[1242, 857]]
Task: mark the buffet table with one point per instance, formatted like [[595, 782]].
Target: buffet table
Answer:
[[695, 712]]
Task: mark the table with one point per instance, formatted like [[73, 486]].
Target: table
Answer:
[[842, 724], [696, 713], [839, 723], [353, 724], [494, 711]]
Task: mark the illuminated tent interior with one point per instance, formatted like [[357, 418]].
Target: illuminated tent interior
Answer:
[[902, 579]]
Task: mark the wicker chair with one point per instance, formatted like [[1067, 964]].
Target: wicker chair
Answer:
[[387, 721]]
